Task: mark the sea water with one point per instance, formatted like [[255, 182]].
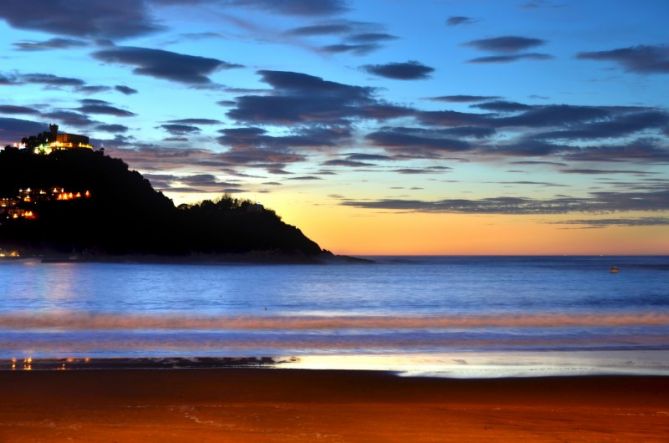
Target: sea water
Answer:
[[452, 316]]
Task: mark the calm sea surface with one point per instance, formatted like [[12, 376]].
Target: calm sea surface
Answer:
[[455, 316]]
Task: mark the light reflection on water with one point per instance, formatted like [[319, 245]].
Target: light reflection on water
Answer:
[[416, 307]]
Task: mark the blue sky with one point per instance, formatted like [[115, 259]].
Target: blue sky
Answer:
[[354, 110]]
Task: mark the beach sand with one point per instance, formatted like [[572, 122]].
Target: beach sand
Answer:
[[272, 405]]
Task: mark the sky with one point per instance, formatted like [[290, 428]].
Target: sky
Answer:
[[376, 126]]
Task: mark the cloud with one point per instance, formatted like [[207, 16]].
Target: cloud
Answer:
[[322, 29], [46, 79], [177, 129], [638, 151], [642, 59], [93, 89], [502, 106], [345, 162], [10, 109], [112, 128], [624, 222], [511, 58], [528, 182], [596, 202], [617, 124], [370, 37], [12, 129], [189, 69], [195, 121], [298, 98], [411, 70], [456, 20], [253, 138], [508, 43], [416, 142], [126, 90], [53, 43], [306, 8], [357, 38], [91, 18], [355, 48], [592, 171], [359, 156], [102, 107], [463, 98], [70, 118]]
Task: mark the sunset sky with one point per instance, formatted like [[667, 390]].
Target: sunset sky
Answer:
[[376, 126]]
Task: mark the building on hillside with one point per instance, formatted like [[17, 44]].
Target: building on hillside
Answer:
[[47, 142]]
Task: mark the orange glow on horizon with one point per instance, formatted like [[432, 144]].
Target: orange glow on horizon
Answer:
[[355, 231]]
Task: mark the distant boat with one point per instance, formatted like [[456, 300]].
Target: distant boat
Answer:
[[614, 269]]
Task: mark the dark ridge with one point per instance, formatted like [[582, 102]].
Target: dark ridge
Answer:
[[85, 204]]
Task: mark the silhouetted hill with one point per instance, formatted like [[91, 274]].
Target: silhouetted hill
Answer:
[[82, 202]]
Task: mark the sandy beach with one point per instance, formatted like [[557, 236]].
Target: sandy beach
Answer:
[[272, 405]]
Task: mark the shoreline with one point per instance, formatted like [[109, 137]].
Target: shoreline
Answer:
[[252, 258], [262, 405]]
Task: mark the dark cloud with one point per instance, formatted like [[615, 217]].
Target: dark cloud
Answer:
[[416, 142], [53, 43], [595, 202], [322, 29], [13, 129], [592, 171], [302, 99], [93, 89], [411, 70], [415, 171], [288, 7], [296, 7], [355, 48], [11, 109], [43, 79], [358, 156], [453, 118], [178, 129], [370, 37], [626, 222], [511, 58], [537, 162], [528, 182], [502, 106], [463, 98], [112, 128], [102, 107], [252, 137], [470, 131], [555, 115], [456, 20], [638, 151], [92, 18], [305, 177], [70, 118], [345, 162], [642, 59], [508, 43], [195, 121], [167, 65], [617, 124], [127, 90]]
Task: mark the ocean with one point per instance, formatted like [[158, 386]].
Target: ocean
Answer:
[[435, 316]]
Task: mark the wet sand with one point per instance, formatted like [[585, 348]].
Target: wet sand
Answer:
[[273, 405]]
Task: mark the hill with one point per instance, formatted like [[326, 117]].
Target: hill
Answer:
[[84, 203]]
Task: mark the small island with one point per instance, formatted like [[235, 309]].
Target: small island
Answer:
[[60, 199]]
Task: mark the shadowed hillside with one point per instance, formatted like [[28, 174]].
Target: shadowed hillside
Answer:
[[82, 202]]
